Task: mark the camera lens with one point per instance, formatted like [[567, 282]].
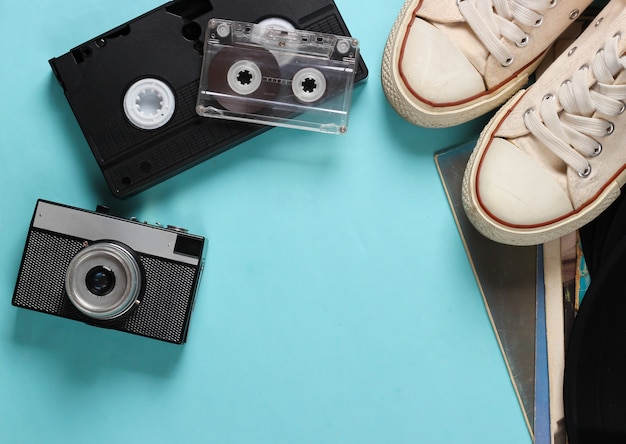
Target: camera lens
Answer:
[[105, 280], [100, 280]]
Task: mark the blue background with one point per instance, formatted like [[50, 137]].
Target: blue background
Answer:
[[337, 303]]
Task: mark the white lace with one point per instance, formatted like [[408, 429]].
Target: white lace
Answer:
[[493, 19], [572, 133]]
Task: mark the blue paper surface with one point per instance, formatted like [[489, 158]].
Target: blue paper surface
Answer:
[[337, 304]]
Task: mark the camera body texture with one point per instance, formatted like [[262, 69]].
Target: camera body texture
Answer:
[[110, 272]]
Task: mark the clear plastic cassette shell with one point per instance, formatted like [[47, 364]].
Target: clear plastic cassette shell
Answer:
[[275, 76]]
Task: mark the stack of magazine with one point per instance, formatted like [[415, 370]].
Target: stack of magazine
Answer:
[[531, 295]]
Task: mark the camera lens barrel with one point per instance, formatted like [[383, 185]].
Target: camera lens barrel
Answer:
[[105, 280], [100, 280]]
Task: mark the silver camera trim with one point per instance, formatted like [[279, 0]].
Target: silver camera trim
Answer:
[[122, 296], [83, 224]]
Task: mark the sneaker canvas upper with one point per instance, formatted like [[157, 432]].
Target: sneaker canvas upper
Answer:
[[448, 61], [554, 156]]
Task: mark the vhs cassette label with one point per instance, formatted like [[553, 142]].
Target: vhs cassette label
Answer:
[[275, 76]]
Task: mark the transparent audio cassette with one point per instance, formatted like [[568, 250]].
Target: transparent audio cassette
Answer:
[[277, 76]]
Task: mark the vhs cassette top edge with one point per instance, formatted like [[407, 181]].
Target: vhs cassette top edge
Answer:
[[273, 37]]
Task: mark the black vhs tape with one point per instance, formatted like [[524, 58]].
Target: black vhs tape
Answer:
[[133, 90]]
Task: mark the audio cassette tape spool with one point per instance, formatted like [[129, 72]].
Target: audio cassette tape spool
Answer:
[[241, 78], [149, 103], [308, 85]]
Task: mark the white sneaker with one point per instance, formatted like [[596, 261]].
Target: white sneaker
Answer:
[[554, 157], [449, 61]]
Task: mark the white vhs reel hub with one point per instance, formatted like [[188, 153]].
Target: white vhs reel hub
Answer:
[[149, 104]]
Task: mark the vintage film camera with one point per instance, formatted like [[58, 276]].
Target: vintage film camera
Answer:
[[110, 272]]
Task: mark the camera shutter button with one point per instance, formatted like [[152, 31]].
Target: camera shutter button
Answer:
[[177, 229]]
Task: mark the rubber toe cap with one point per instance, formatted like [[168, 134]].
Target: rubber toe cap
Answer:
[[435, 69], [516, 190]]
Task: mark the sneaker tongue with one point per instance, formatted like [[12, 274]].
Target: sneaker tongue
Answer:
[[467, 42], [621, 78], [445, 16], [513, 125], [440, 11], [450, 23]]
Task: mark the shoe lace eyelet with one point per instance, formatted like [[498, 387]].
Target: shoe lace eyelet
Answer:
[[573, 15], [610, 129], [622, 109], [597, 23], [548, 96], [585, 173], [572, 51], [538, 22], [597, 151], [553, 3], [508, 62], [523, 42]]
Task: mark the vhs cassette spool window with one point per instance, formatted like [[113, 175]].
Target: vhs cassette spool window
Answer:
[[275, 76]]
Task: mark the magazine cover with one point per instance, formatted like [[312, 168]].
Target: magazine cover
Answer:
[[531, 295], [506, 278]]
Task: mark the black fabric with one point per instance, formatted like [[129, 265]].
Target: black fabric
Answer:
[[602, 234], [595, 365]]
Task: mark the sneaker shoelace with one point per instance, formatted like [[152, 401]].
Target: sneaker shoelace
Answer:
[[572, 132], [492, 19]]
